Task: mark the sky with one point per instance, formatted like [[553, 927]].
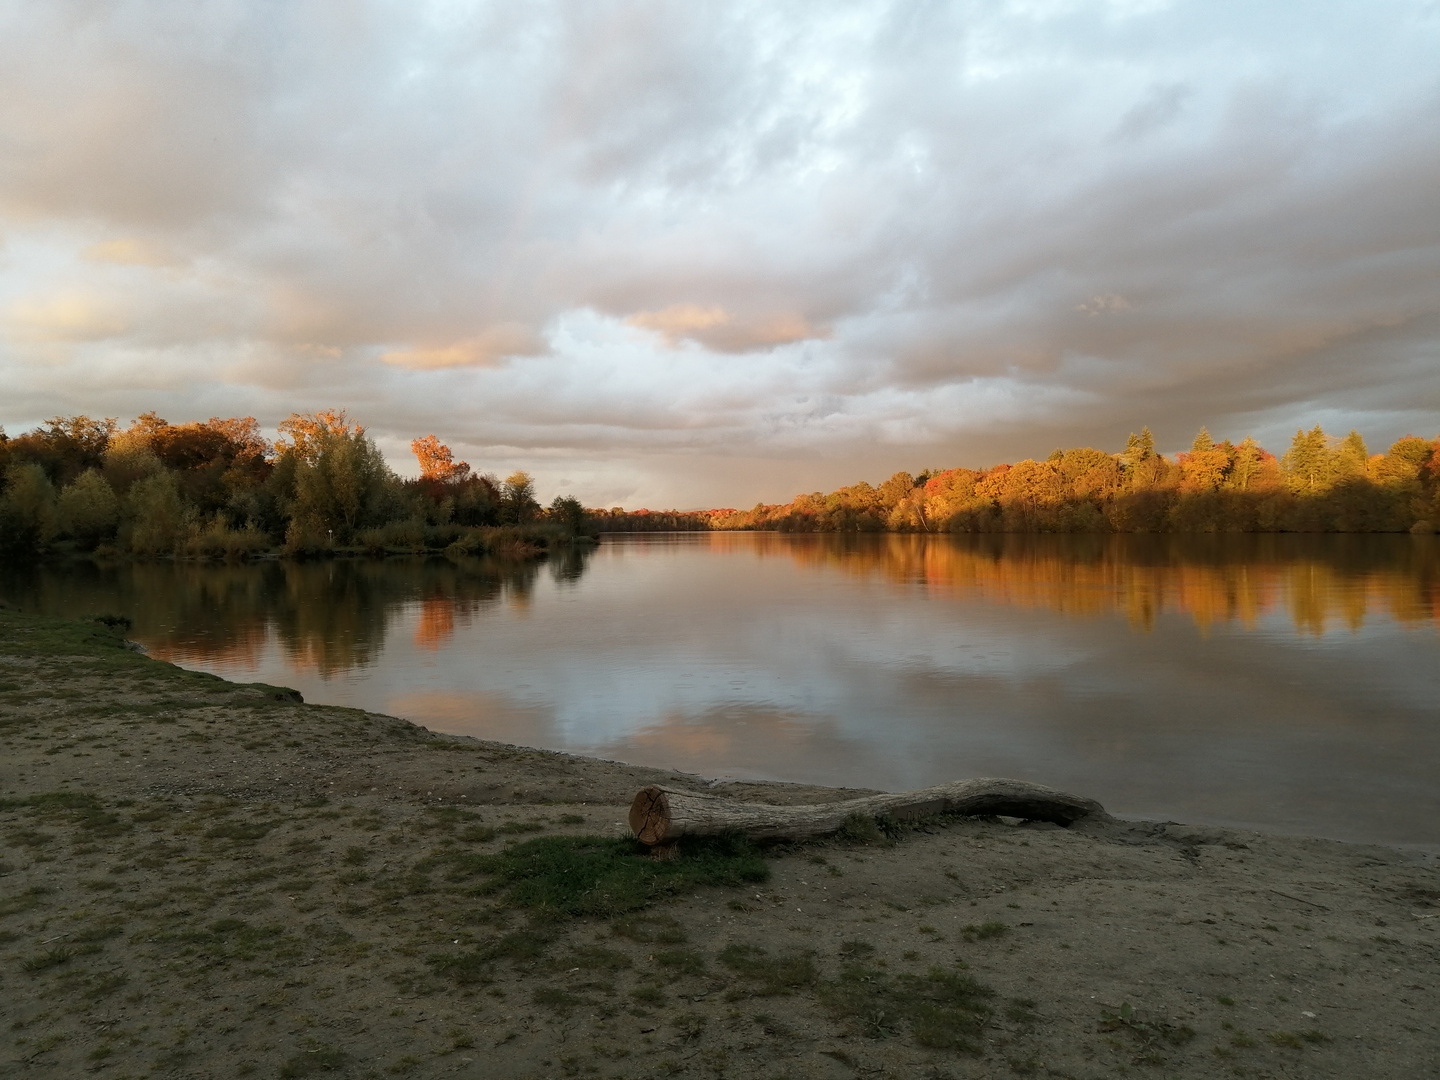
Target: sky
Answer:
[[671, 254]]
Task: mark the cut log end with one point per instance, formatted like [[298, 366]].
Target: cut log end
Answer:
[[650, 815]]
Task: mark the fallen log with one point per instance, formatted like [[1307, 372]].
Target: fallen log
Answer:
[[661, 815]]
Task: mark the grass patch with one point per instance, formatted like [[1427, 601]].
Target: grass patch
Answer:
[[477, 965], [648, 995], [568, 876], [984, 931], [681, 961], [74, 807], [515, 827], [941, 1009], [13, 905], [645, 929], [244, 831], [593, 958], [778, 974], [54, 957], [310, 1062], [1151, 1033], [561, 1001], [233, 939]]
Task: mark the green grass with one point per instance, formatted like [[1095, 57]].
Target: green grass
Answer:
[[940, 1009], [310, 1062], [984, 931], [569, 876], [52, 957], [556, 878], [681, 961], [778, 974]]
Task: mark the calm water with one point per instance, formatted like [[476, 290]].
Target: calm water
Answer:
[[1290, 683]]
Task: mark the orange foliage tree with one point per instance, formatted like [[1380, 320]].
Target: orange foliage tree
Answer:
[[437, 462]]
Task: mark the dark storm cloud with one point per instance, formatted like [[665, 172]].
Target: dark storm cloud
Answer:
[[707, 253]]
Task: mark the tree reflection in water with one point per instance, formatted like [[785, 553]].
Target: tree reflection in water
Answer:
[[329, 616], [1322, 580]]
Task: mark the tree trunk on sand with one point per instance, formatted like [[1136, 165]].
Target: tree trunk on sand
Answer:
[[661, 815]]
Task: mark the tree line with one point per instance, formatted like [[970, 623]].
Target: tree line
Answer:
[[1321, 484], [217, 488]]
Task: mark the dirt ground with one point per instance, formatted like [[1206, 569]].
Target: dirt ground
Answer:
[[200, 879]]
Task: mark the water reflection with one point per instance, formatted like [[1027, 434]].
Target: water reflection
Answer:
[[1277, 681], [328, 618], [1322, 582]]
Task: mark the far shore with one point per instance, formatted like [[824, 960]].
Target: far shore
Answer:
[[206, 879]]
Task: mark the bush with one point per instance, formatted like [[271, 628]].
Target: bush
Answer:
[[407, 535], [219, 541]]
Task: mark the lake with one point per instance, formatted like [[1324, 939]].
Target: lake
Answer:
[[1288, 683]]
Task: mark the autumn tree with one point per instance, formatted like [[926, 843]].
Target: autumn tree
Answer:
[[1251, 467], [1404, 461], [437, 463], [302, 434], [64, 446], [1205, 467]]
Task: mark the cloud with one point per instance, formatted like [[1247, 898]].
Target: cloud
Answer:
[[715, 328], [680, 321], [486, 349], [67, 317], [713, 253], [126, 251]]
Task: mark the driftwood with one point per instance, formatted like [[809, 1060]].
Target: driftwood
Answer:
[[661, 815]]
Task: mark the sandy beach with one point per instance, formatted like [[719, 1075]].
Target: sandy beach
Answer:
[[206, 879]]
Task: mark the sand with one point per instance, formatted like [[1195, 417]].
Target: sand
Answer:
[[232, 883]]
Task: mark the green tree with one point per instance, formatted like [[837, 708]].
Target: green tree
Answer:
[[88, 509], [27, 509], [1309, 464], [341, 482], [1203, 442], [1351, 457], [568, 511], [517, 498], [157, 515], [1139, 449], [128, 458]]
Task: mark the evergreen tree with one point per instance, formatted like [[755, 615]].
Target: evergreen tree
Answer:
[[1138, 448], [1202, 442], [1246, 465], [1309, 464], [1351, 457]]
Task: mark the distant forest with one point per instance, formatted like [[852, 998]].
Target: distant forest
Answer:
[[1321, 484], [218, 489]]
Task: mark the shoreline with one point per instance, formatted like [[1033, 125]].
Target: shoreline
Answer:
[[202, 878]]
